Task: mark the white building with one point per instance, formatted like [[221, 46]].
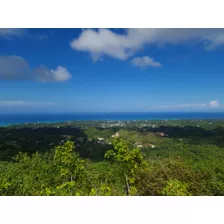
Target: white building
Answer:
[[101, 139]]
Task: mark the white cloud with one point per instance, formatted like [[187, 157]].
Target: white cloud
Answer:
[[17, 68], [145, 61], [212, 104], [122, 46], [8, 32], [103, 42], [60, 74], [25, 103], [11, 103]]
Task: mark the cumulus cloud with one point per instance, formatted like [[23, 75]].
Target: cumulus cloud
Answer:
[[122, 46], [145, 61], [17, 68], [212, 104], [60, 74], [8, 32], [102, 42]]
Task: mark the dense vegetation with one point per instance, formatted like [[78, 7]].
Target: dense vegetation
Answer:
[[129, 158]]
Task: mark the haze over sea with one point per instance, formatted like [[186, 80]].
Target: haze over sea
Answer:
[[7, 119]]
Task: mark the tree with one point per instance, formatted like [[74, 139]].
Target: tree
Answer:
[[70, 166], [130, 161]]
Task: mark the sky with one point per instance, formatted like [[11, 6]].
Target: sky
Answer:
[[111, 70]]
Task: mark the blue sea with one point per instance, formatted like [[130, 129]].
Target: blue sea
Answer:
[[7, 119]]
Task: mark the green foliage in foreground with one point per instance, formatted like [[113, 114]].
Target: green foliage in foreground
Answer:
[[174, 188], [129, 161], [183, 170]]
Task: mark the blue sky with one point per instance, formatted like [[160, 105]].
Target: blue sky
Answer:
[[111, 70]]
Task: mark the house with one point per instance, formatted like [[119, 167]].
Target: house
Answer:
[[162, 134], [139, 146], [115, 135], [101, 139], [151, 145]]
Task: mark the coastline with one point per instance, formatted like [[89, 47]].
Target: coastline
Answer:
[[7, 120]]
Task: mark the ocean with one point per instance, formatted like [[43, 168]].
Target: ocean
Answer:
[[7, 119]]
